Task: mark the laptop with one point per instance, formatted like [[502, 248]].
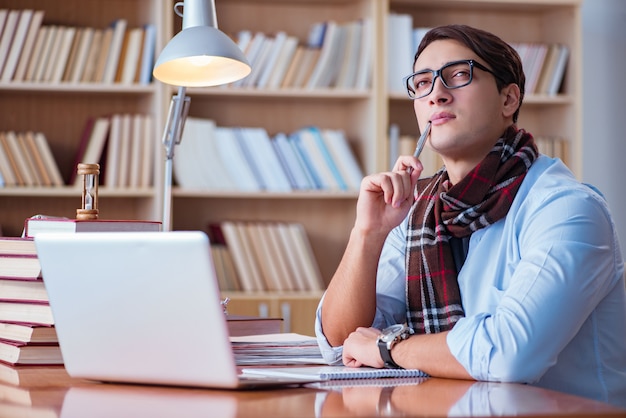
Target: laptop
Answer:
[[141, 307]]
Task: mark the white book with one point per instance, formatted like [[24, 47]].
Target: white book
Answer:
[[17, 44], [111, 170], [252, 52], [260, 62], [8, 32], [348, 70], [132, 55], [45, 52], [125, 147], [187, 159], [326, 55], [149, 146], [307, 262], [559, 70], [213, 167], [31, 163], [6, 168], [344, 157], [364, 67], [29, 43], [38, 54], [113, 57], [63, 53], [3, 18], [46, 154], [19, 157], [269, 66], [258, 142], [310, 148], [136, 149], [305, 159], [97, 139], [280, 256], [287, 154], [243, 257], [80, 59], [282, 63], [54, 53], [291, 255], [147, 54], [399, 50], [235, 162], [332, 68], [95, 46]]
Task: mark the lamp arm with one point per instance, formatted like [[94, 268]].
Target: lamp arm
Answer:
[[172, 136]]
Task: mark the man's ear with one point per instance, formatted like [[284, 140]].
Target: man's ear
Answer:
[[510, 95]]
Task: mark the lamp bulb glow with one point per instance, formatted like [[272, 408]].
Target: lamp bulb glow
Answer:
[[200, 60]]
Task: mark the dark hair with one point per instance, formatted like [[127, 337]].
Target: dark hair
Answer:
[[497, 54]]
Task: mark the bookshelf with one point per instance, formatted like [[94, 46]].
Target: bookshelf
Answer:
[[364, 114]]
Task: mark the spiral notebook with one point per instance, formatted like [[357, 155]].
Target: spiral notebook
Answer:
[[333, 372]]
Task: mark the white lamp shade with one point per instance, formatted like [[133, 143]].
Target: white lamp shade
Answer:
[[201, 56]]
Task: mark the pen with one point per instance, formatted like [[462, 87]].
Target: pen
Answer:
[[420, 143], [422, 140]]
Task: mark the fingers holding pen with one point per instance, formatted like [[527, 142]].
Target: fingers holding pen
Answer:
[[397, 186]]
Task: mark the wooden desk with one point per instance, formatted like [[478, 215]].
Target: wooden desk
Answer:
[[48, 392]]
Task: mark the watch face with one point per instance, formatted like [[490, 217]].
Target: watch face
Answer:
[[390, 333]]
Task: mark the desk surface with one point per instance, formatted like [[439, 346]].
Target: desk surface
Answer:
[[49, 392]]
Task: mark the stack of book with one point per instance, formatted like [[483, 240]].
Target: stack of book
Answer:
[[31, 51], [27, 333], [260, 256]]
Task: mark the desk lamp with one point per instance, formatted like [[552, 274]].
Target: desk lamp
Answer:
[[200, 55]]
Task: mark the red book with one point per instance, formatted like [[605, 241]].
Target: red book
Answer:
[[19, 267], [26, 333], [13, 352], [38, 224]]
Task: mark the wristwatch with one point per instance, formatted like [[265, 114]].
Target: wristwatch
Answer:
[[388, 338]]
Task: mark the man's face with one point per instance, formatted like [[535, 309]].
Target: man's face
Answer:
[[467, 121]]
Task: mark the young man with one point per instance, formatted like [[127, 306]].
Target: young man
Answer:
[[502, 265]]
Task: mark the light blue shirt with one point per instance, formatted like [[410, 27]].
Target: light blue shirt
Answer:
[[543, 292]]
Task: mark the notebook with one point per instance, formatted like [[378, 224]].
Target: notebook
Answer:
[[333, 372], [141, 307]]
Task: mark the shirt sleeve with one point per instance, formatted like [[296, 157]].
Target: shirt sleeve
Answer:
[[561, 260], [390, 292]]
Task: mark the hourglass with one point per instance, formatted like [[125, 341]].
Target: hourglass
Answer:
[[90, 173]]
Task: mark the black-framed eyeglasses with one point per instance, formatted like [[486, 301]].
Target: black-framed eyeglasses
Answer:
[[453, 75]]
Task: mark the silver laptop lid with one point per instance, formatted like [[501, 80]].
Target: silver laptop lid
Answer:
[[138, 307]]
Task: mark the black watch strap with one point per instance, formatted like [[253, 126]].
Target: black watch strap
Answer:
[[385, 354]]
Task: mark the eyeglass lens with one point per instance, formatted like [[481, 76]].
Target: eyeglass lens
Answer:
[[453, 76]]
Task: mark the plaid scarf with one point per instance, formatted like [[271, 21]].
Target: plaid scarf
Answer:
[[442, 211]]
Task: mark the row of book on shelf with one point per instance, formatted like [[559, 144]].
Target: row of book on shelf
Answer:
[[335, 55], [247, 159], [264, 256], [27, 160], [544, 64], [32, 51], [247, 257], [123, 145], [401, 144]]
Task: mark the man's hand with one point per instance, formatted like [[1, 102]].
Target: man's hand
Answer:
[[361, 348], [385, 198]]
